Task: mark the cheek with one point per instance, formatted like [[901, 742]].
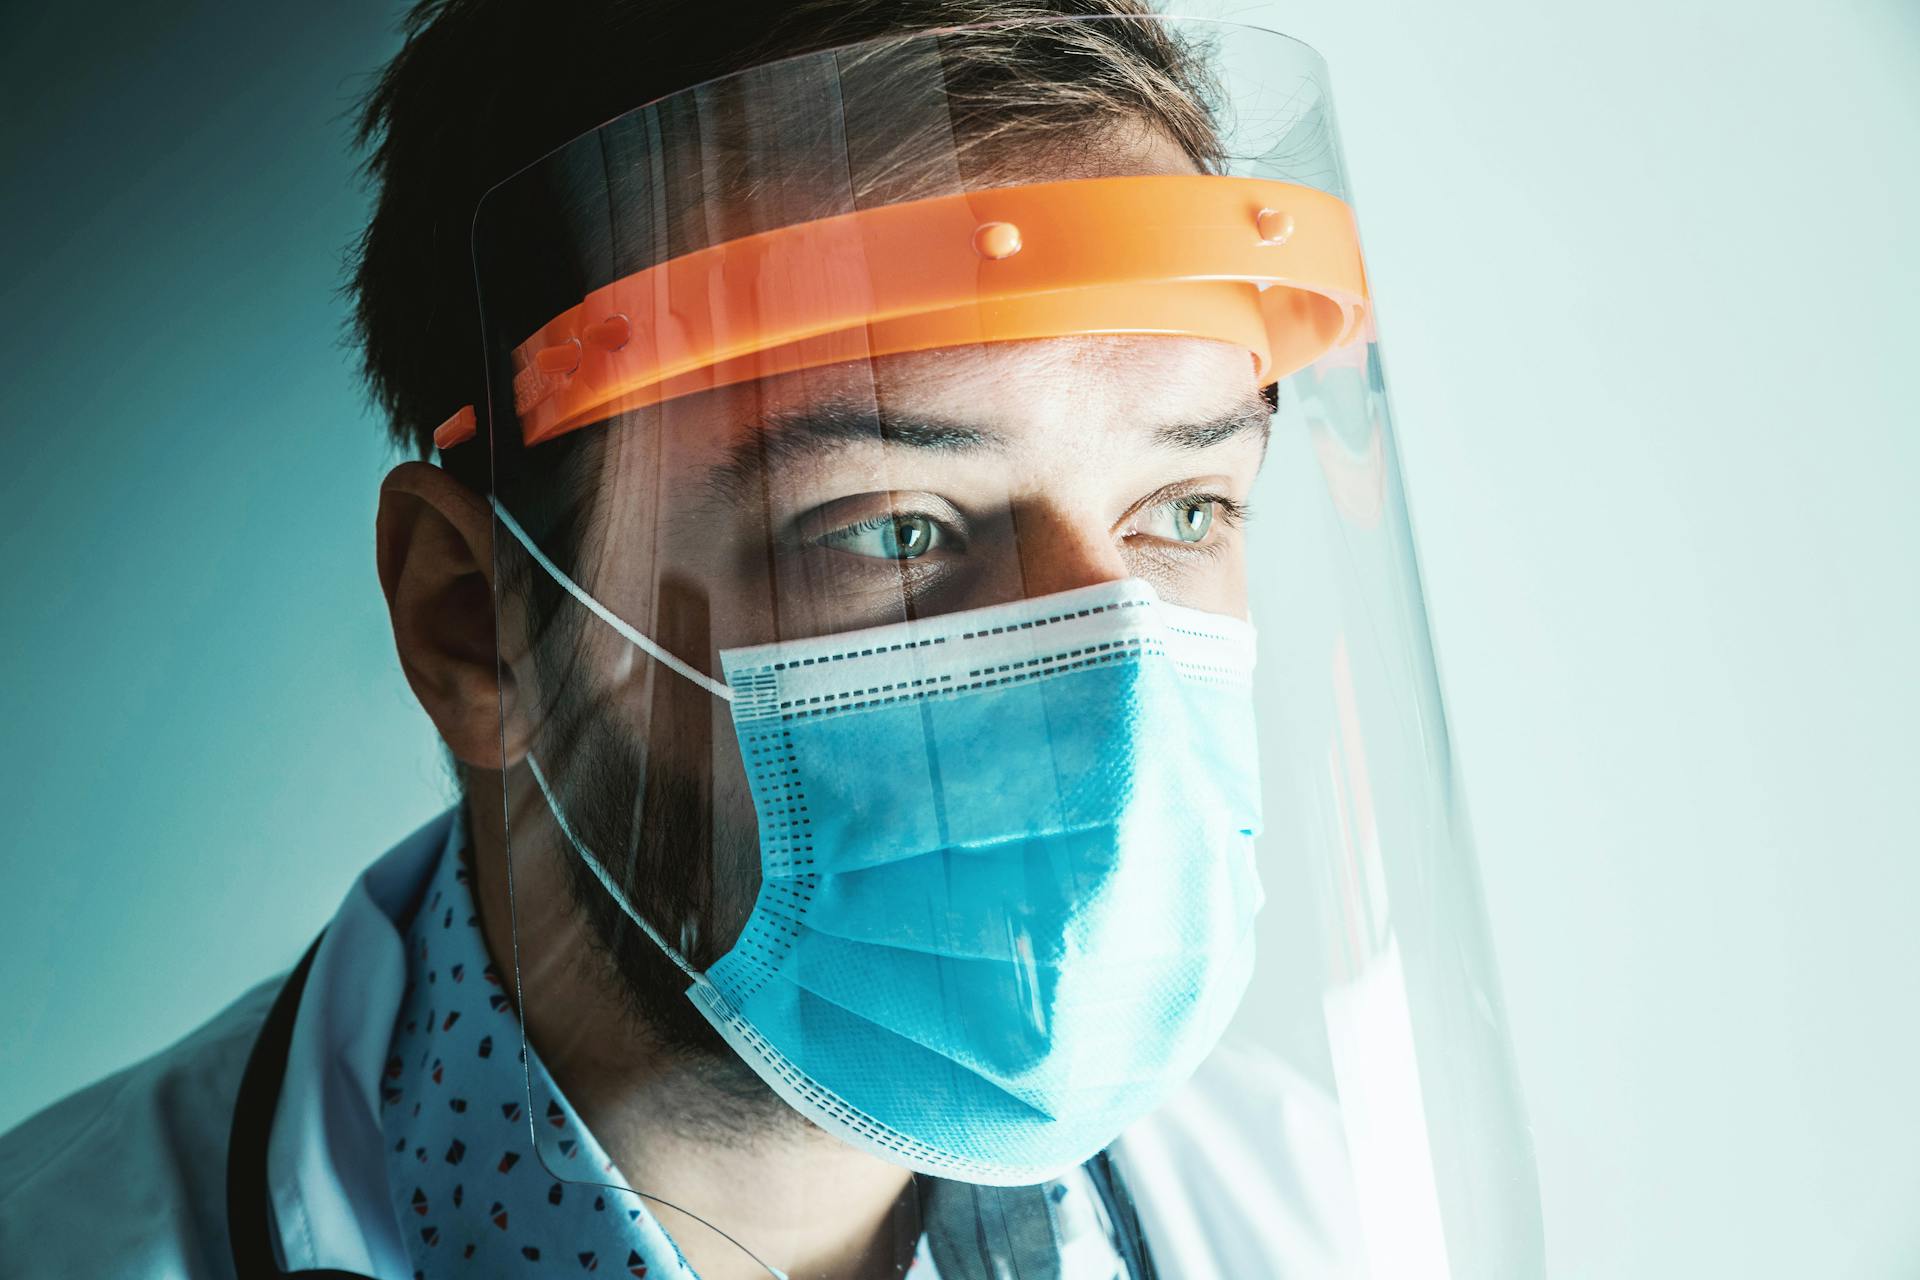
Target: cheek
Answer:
[[760, 594], [736, 853], [1229, 586], [1212, 583]]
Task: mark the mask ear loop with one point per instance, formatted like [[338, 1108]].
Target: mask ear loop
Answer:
[[698, 979], [715, 687], [606, 880]]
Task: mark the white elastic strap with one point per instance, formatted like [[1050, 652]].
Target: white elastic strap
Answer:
[[606, 881], [707, 682]]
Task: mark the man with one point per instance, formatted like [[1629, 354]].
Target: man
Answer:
[[833, 587]]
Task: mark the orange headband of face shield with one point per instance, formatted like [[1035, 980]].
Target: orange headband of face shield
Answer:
[[1269, 266]]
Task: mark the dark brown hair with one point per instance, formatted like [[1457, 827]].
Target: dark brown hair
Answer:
[[482, 88]]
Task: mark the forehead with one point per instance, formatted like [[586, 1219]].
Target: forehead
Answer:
[[1133, 376], [1046, 393]]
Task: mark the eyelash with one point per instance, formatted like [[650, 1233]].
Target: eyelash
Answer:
[[873, 524], [1233, 512]]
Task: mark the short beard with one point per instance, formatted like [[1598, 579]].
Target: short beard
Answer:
[[650, 820]]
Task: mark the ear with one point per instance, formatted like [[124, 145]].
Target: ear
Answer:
[[435, 544]]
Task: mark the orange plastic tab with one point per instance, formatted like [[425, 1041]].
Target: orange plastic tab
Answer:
[[457, 429], [1270, 266]]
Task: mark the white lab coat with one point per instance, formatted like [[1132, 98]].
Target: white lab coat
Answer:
[[128, 1176]]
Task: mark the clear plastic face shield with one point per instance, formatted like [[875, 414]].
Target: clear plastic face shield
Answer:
[[971, 718]]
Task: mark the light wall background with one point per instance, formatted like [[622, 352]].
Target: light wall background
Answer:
[[1648, 288]]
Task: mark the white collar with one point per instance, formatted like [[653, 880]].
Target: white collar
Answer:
[[325, 1169]]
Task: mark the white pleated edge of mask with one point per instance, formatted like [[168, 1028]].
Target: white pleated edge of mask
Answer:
[[998, 644]]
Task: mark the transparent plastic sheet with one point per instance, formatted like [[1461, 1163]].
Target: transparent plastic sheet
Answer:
[[700, 580]]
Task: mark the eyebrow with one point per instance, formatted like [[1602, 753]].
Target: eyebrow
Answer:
[[1254, 413], [824, 428]]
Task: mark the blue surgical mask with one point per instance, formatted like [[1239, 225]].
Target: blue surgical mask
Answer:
[[1008, 885]]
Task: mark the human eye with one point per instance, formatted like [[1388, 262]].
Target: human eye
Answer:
[[890, 536], [1194, 520], [901, 528]]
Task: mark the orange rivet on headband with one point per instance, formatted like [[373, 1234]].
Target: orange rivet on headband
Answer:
[[1275, 226], [564, 358], [610, 334], [996, 240]]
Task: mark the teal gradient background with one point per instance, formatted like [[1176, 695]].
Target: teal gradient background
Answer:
[[1648, 286], [203, 728]]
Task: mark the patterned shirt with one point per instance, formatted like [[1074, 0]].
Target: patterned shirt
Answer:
[[472, 1193]]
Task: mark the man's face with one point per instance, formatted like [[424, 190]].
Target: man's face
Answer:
[[854, 496]]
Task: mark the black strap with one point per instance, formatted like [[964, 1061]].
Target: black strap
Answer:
[[249, 1209], [990, 1233], [1121, 1217], [977, 1232]]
